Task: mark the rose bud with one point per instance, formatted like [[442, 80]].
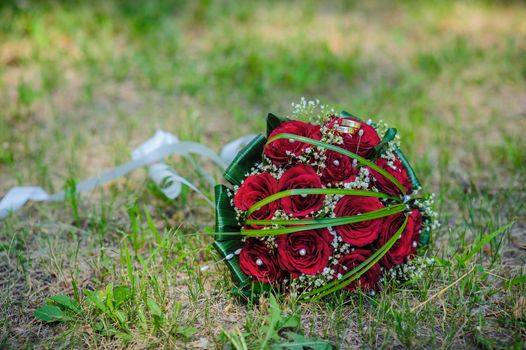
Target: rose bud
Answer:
[[399, 173], [300, 176], [348, 262], [404, 247], [338, 168], [259, 262], [254, 189], [360, 233], [305, 252], [360, 141], [282, 151]]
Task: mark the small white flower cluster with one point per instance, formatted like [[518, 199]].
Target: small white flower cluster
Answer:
[[362, 181], [426, 205], [381, 128], [389, 153], [281, 215], [313, 156], [241, 215], [413, 269], [270, 242], [267, 166], [307, 109], [390, 156], [309, 282], [330, 135], [329, 204]]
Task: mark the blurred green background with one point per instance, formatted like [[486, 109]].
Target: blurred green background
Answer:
[[83, 82]]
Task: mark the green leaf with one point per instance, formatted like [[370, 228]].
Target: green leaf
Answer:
[[96, 300], [66, 302], [226, 220], [306, 191], [441, 262], [121, 316], [415, 183], [245, 160], [151, 225], [154, 308], [121, 294], [516, 280], [300, 342], [49, 313], [290, 322], [273, 318], [109, 296], [236, 338], [325, 222], [186, 332], [482, 242], [380, 148], [124, 336], [227, 247]]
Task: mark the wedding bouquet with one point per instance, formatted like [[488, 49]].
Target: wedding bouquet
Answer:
[[320, 205]]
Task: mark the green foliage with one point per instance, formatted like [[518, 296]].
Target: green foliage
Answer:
[[300, 342], [49, 313], [476, 247], [71, 196], [60, 308]]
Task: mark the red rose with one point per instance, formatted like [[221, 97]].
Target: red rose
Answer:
[[408, 242], [281, 151], [259, 262], [300, 176], [361, 141], [399, 173], [348, 262], [338, 168], [305, 252], [360, 233], [254, 189]]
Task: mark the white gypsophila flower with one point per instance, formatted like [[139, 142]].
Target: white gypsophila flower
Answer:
[[313, 111], [331, 136], [414, 269], [425, 205]]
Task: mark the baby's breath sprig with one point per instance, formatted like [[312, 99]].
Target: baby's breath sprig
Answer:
[[267, 166], [389, 153], [362, 181], [411, 270], [306, 283], [330, 135], [312, 111], [426, 205], [241, 215]]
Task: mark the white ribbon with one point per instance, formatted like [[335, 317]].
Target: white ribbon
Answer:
[[162, 144]]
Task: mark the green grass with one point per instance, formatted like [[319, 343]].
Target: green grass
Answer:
[[82, 83]]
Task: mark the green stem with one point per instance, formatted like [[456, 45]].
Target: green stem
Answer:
[[326, 222], [341, 151], [358, 271], [305, 191]]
